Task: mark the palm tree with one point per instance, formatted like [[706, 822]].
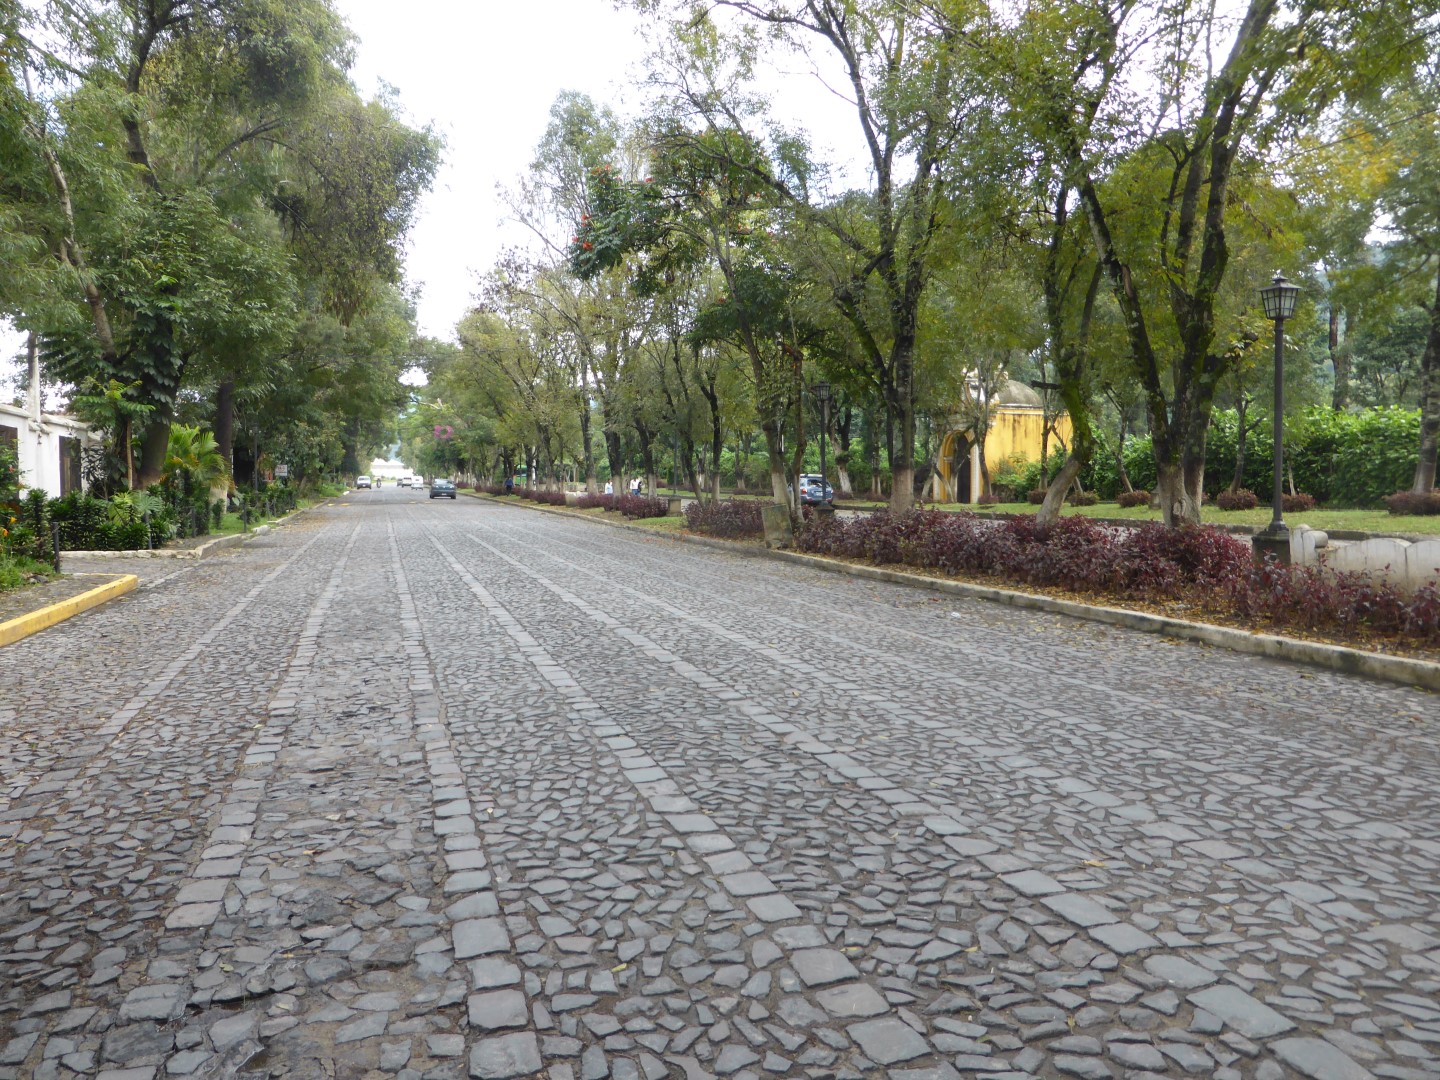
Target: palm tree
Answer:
[[194, 457]]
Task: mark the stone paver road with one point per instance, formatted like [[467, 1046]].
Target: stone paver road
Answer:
[[427, 789]]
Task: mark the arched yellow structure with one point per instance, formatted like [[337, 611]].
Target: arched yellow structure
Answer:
[[1017, 428]]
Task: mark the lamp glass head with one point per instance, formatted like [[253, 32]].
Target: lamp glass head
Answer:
[[1279, 298]]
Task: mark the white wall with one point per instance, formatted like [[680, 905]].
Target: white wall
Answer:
[[39, 445]]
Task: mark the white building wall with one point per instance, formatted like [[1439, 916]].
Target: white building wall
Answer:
[[38, 443]]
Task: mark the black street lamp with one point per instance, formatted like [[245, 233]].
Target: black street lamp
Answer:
[[821, 392], [1278, 299]]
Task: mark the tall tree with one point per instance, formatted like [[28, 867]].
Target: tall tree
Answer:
[[905, 75], [1216, 108]]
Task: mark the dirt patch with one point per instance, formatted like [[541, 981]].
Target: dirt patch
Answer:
[[17, 602]]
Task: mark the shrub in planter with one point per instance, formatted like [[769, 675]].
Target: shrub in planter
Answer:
[[1409, 502], [640, 506], [1036, 496], [1297, 503], [730, 518], [1133, 498], [1082, 498], [1237, 500]]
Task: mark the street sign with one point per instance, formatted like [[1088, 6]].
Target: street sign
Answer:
[[282, 471]]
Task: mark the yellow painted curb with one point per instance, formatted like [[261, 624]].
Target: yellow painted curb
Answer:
[[13, 630]]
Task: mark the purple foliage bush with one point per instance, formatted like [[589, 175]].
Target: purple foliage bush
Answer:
[[1311, 598], [639, 506], [731, 519], [1074, 552], [1297, 503], [1138, 497], [1244, 499], [1082, 498], [1411, 502], [1202, 564], [593, 502]]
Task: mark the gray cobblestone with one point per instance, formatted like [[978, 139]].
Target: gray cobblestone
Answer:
[[468, 789]]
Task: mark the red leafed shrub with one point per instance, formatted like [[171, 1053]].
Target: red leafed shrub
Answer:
[[1201, 564], [990, 500], [591, 502], [1410, 502], [549, 498], [1297, 503], [1139, 497], [1208, 558], [1244, 499], [639, 506], [1310, 598], [1074, 552], [730, 519], [1082, 498], [1036, 496]]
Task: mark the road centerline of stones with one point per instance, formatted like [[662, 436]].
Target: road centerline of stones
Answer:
[[477, 933], [201, 895], [879, 1032]]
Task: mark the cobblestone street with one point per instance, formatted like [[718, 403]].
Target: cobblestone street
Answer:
[[432, 789]]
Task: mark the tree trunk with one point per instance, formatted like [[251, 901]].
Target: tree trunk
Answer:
[[841, 430], [1340, 358], [775, 449], [1429, 402], [1241, 406], [615, 452], [1082, 442], [717, 431], [225, 420], [1055, 494], [154, 447], [647, 455], [902, 473], [1179, 486], [592, 483]]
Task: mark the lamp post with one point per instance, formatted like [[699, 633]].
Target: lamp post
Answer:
[[821, 392], [1278, 299]]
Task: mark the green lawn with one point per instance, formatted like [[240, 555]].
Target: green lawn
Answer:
[[1373, 521]]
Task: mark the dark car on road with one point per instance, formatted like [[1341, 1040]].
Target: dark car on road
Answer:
[[442, 489]]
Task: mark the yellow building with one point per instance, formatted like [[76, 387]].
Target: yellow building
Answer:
[[1017, 424]]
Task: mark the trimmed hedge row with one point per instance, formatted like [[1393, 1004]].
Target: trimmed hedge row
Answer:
[[1200, 564]]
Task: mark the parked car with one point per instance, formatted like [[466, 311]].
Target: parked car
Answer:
[[442, 489], [404, 481], [814, 489], [362, 482]]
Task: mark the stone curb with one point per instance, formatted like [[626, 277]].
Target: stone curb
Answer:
[[1396, 669], [23, 626]]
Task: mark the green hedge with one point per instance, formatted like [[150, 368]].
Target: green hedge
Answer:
[[1342, 459]]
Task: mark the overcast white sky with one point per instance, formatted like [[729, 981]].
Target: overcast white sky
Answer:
[[486, 74]]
